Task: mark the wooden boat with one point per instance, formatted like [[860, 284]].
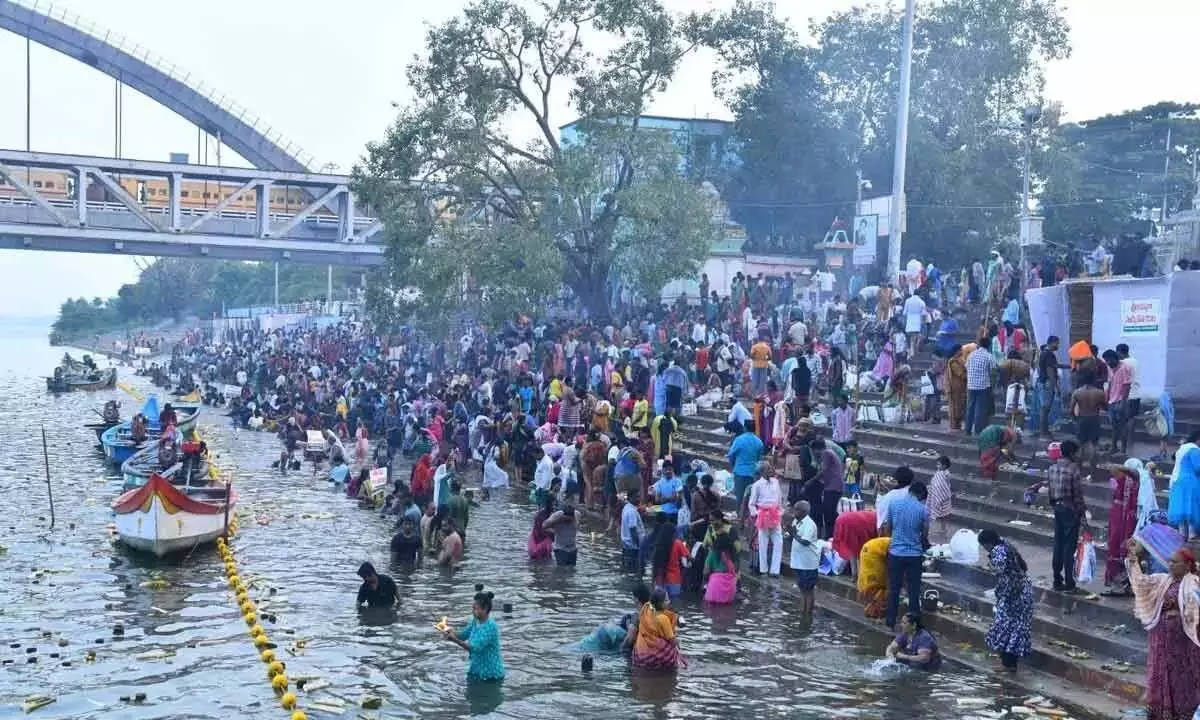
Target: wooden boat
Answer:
[[96, 380], [160, 518], [100, 427], [119, 446], [137, 470]]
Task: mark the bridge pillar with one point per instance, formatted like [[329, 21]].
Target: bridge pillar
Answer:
[[174, 183], [81, 195], [263, 209]]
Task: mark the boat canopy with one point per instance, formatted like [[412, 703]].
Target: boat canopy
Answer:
[[150, 409]]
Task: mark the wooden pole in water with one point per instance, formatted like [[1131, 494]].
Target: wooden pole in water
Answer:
[[49, 488], [228, 499]]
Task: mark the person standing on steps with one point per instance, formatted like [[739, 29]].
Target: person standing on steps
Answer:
[[980, 365], [1065, 482], [806, 558], [744, 454], [1012, 619], [765, 505], [908, 525]]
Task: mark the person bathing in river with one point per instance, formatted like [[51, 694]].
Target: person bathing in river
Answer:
[[376, 590], [481, 639], [915, 646], [656, 646], [451, 553]]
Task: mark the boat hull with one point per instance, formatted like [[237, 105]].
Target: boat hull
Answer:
[[160, 519], [118, 449], [60, 385]]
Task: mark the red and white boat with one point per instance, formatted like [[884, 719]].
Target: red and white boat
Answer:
[[161, 518]]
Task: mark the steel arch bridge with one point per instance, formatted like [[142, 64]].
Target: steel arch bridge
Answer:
[[136, 67]]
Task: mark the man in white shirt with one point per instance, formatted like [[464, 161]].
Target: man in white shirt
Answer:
[[798, 332], [806, 554], [914, 318], [544, 471], [904, 478], [766, 509]]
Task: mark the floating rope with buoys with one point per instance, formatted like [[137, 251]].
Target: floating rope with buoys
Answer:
[[275, 668], [132, 391]]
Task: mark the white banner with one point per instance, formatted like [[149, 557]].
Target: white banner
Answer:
[[866, 239], [1141, 316]]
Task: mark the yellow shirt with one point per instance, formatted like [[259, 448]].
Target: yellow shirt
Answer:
[[640, 416], [556, 388], [760, 355]]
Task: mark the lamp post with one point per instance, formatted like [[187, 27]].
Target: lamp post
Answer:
[[897, 213], [1030, 118]]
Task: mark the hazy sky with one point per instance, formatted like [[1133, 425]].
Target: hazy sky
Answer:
[[326, 74]]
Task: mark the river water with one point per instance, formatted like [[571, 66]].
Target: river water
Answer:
[[72, 585]]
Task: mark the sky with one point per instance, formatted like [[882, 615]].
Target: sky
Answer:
[[326, 75]]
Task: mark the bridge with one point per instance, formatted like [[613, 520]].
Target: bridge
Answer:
[[240, 225], [243, 224]]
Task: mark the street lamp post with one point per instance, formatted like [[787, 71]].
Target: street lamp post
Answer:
[[1031, 116], [898, 167]]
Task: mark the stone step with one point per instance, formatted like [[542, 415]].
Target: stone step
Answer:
[[1095, 672]]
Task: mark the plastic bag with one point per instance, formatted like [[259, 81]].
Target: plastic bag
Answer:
[[964, 547], [1085, 559], [826, 565], [1156, 424]]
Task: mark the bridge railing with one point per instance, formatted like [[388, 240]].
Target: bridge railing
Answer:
[[101, 206], [174, 71]]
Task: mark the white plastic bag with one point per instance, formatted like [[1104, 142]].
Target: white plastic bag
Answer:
[[868, 413], [1085, 560], [849, 504], [891, 414], [964, 547]]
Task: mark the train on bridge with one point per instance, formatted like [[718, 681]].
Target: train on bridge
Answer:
[[153, 192]]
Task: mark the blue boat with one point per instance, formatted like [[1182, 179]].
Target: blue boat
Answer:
[[119, 445]]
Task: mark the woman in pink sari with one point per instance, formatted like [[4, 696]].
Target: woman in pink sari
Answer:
[[885, 364], [1168, 607]]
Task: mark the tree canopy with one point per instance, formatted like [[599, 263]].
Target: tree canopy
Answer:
[[810, 115], [171, 288], [489, 208]]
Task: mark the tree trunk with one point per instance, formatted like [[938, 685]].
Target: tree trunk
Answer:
[[592, 291]]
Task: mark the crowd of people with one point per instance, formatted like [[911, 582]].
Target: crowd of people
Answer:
[[590, 417]]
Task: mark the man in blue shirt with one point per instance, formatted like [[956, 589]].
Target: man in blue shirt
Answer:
[[907, 524], [745, 452], [632, 533]]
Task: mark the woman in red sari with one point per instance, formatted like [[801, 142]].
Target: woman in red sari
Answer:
[[1122, 521], [1167, 606]]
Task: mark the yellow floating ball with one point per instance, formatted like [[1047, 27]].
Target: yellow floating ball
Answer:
[[268, 656], [247, 607], [288, 701], [250, 618], [274, 669], [279, 682], [256, 631], [261, 641], [299, 715], [234, 580]]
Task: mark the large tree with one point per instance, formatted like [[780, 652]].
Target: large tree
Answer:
[[488, 207], [1103, 178], [976, 66]]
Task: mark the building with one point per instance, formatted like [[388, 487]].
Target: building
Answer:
[[704, 144]]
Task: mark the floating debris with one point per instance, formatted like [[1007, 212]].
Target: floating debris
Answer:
[[36, 701], [156, 654], [372, 702]]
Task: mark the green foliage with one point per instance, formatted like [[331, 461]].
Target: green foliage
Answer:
[[1104, 177], [810, 115], [170, 288], [487, 210]]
